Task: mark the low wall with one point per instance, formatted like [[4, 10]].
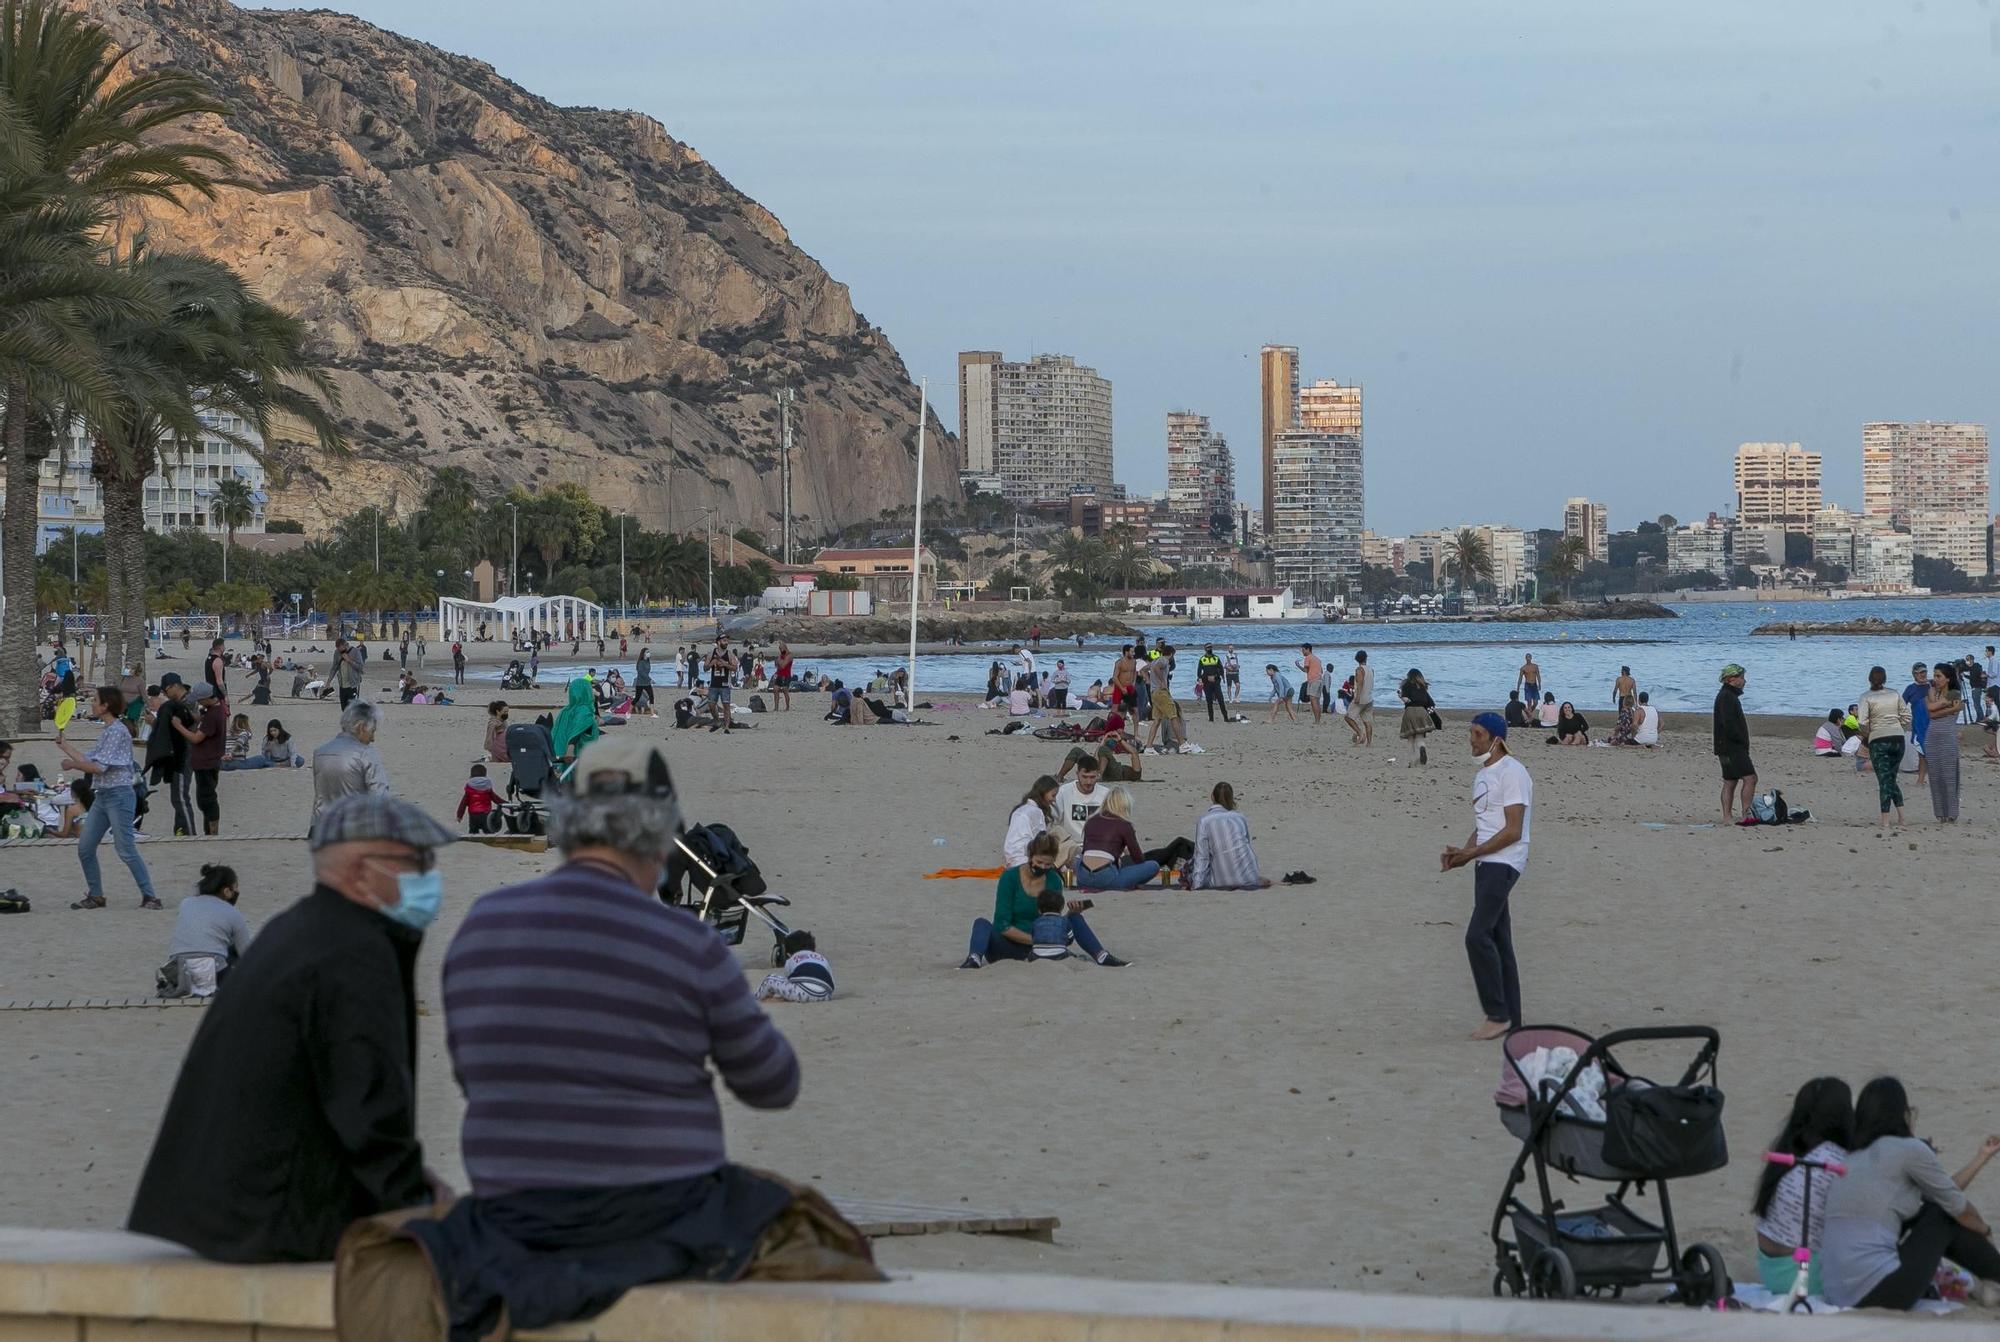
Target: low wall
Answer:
[[76, 1286]]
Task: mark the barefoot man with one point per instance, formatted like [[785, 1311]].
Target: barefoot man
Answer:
[[1732, 744], [1528, 680], [1502, 794]]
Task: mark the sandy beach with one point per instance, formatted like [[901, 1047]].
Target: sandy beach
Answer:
[[1277, 1091]]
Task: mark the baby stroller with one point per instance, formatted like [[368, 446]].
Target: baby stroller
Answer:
[[531, 755], [710, 874], [1577, 1110], [515, 677]]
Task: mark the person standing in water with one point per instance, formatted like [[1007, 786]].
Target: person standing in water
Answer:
[[1528, 680]]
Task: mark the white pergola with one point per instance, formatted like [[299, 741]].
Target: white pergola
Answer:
[[558, 616]]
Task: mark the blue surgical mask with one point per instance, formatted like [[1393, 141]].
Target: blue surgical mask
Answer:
[[417, 897]]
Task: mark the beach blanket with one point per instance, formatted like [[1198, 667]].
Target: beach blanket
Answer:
[[966, 874], [1752, 1296]]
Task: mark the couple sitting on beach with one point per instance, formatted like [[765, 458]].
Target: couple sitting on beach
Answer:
[[1878, 1232]]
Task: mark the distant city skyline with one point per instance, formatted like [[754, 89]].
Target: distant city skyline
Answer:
[[1601, 246]]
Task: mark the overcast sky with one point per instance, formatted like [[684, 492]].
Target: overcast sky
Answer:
[[1567, 247]]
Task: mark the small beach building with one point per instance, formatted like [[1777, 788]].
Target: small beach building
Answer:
[[1212, 603], [885, 574]]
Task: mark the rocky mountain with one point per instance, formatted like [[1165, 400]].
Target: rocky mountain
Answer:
[[536, 293]]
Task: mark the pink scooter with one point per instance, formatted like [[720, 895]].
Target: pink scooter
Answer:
[[1796, 1299]]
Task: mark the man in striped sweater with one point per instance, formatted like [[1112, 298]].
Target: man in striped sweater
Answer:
[[581, 1014]]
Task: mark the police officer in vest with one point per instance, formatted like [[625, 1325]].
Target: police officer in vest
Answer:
[[1208, 672]]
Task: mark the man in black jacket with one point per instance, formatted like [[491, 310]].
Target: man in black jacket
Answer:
[[295, 1112], [167, 750], [1732, 743]]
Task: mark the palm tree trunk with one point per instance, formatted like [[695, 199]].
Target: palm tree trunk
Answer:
[[125, 569], [25, 448]]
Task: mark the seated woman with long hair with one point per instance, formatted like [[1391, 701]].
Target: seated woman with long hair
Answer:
[[1010, 933], [1571, 729], [1112, 858], [1818, 1132], [1897, 1214], [1223, 857], [1033, 816]]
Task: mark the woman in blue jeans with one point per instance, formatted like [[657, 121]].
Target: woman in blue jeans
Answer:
[[1112, 858], [113, 802], [1010, 933]]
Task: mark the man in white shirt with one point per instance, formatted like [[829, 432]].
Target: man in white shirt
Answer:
[[1648, 732], [1024, 668], [1502, 794], [1080, 798]]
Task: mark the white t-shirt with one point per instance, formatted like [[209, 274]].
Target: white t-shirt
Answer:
[[1649, 726], [1494, 788], [1364, 685], [1025, 660], [1073, 808], [1024, 824]]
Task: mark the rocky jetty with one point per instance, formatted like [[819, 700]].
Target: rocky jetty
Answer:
[[1592, 610], [1876, 626], [976, 627]]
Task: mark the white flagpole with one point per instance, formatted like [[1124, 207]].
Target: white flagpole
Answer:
[[917, 545]]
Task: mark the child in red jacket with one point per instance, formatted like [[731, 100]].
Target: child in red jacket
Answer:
[[479, 808]]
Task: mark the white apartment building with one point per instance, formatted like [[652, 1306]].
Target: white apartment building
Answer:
[[1588, 522], [1048, 422], [1201, 473], [180, 496], [1884, 561], [1699, 547], [1315, 534], [1777, 485], [1385, 551], [1930, 479]]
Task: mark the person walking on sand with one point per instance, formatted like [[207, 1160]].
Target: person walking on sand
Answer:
[[1917, 695], [1208, 675], [1232, 675], [1502, 797], [1361, 708], [1883, 716], [1732, 743], [1313, 670], [1528, 680]]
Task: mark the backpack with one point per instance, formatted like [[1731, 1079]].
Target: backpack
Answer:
[[1769, 808]]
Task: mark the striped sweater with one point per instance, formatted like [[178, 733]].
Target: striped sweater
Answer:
[[580, 1014]]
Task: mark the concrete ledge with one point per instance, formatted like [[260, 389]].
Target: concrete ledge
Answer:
[[74, 1286]]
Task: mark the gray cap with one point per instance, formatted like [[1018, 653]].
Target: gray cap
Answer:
[[202, 690], [364, 816]]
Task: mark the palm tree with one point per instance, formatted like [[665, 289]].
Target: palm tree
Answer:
[[233, 508], [1467, 559], [1078, 565], [79, 137], [1126, 564], [1565, 561], [219, 350]]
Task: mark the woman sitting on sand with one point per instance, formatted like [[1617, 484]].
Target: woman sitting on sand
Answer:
[[1223, 857], [1010, 933], [996, 687], [1830, 736], [1548, 711], [1096, 698], [1112, 858], [1897, 1214], [1035, 814], [1571, 729], [1819, 1130]]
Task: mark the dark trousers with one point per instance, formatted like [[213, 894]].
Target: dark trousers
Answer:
[[487, 822], [1173, 854], [1489, 942], [205, 799], [178, 781], [1932, 1236], [642, 698], [347, 697], [1211, 690], [458, 671], [987, 941]]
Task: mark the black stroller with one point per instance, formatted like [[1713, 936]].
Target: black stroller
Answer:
[[1647, 1134], [531, 756], [515, 677], [710, 874]]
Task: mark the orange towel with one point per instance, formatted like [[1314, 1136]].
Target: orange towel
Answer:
[[966, 874]]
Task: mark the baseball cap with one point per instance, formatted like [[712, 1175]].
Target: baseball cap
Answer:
[[610, 766], [364, 816], [171, 678], [1492, 724], [202, 690], [1731, 670]]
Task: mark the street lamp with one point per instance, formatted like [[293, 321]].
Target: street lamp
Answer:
[[624, 612], [514, 564]]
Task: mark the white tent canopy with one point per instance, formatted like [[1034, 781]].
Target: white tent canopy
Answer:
[[562, 617]]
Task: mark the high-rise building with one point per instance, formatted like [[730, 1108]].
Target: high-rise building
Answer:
[[1586, 521], [1315, 528], [1698, 547], [1050, 424], [1932, 480], [1279, 366], [1777, 485], [1329, 406], [978, 409], [1201, 473]]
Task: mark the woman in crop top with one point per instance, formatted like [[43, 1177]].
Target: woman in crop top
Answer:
[[1112, 858]]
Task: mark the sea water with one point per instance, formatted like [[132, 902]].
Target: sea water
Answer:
[[1472, 666]]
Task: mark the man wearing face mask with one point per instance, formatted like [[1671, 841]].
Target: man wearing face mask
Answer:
[[295, 1111]]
